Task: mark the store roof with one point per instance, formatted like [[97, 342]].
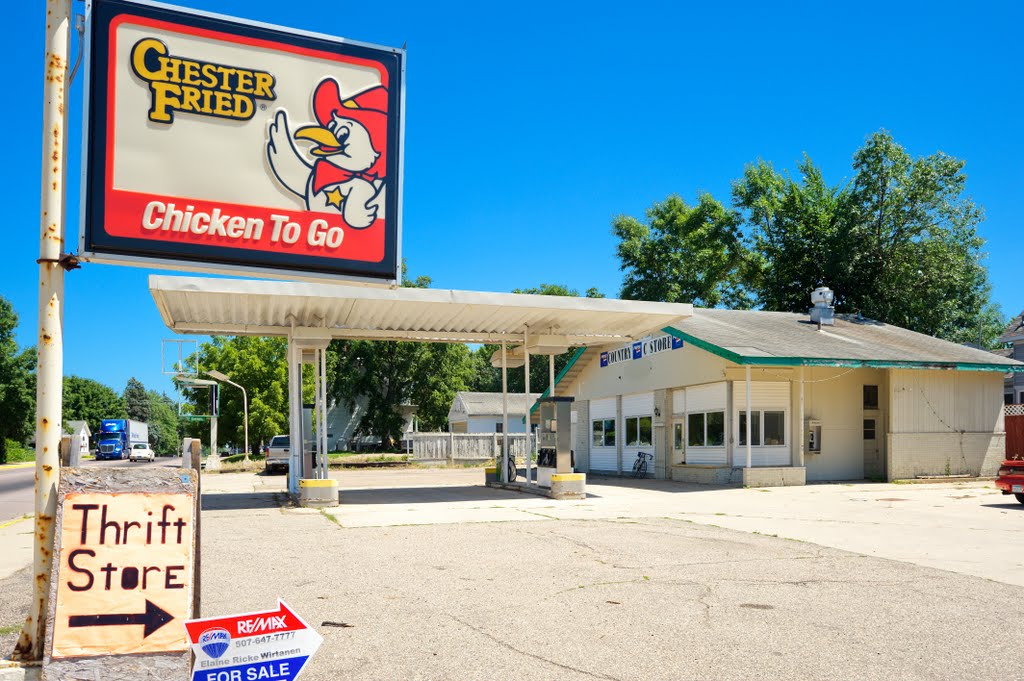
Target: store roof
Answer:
[[203, 305], [1014, 330], [789, 339], [489, 404]]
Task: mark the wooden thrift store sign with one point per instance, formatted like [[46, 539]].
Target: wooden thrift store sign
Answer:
[[122, 580]]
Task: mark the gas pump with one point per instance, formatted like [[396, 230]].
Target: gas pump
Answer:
[[554, 439]]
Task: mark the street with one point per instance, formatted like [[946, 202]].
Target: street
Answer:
[[16, 484]]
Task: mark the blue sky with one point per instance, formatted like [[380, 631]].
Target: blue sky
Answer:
[[531, 125]]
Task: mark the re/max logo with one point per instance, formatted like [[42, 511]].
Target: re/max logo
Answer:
[[198, 87]]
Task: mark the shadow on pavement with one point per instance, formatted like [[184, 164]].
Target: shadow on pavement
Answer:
[[243, 501], [1009, 505], [423, 495]]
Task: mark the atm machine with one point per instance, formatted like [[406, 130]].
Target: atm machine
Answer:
[[554, 439]]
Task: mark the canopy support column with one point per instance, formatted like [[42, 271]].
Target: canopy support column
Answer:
[[503, 476], [800, 424], [526, 381], [294, 416], [749, 458], [551, 375]]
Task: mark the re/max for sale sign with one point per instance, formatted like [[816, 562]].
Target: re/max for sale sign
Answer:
[[222, 145]]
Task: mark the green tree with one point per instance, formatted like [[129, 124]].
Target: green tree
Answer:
[[898, 243], [136, 400], [797, 229], [91, 401], [164, 426], [17, 382], [260, 365], [683, 253]]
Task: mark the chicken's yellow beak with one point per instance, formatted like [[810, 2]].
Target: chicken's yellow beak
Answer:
[[328, 143]]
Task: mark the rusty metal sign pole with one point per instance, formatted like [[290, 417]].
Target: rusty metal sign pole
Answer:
[[50, 345]]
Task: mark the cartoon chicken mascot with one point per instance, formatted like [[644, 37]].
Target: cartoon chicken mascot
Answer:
[[348, 173]]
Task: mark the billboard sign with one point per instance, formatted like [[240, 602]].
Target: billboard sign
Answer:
[[221, 145]]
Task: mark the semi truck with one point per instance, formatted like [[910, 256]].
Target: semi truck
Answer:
[[117, 436]]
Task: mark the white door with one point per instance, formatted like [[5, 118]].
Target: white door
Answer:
[[874, 459], [678, 441]]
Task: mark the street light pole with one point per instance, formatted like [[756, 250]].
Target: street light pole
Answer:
[[245, 403]]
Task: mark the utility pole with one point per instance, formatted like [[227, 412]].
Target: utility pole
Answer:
[[50, 340]]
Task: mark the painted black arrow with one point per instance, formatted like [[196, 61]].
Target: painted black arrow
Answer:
[[154, 618]]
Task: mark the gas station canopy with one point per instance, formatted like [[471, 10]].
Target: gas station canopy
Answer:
[[200, 305]]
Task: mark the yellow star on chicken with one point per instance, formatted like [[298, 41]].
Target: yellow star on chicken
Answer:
[[334, 197]]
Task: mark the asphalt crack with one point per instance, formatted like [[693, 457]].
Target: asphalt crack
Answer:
[[539, 658]]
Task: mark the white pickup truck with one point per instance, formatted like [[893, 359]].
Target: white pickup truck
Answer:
[[277, 453]]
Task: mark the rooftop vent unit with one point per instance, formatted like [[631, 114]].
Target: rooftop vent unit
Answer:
[[823, 314]]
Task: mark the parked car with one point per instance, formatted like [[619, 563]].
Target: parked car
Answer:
[[140, 451], [1011, 478], [277, 453]]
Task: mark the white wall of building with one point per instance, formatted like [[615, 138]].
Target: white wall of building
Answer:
[[835, 397], [926, 421], [945, 422], [486, 423]]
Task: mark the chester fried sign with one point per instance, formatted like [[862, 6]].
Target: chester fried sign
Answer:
[[221, 145]]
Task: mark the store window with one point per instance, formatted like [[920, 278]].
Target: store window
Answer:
[[706, 429], [603, 433], [755, 429], [871, 397], [638, 431], [774, 428], [869, 429], [768, 427]]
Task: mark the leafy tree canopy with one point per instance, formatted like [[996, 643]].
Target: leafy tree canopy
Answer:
[[17, 382], [259, 364], [898, 243], [136, 401], [91, 401], [165, 430], [683, 253]]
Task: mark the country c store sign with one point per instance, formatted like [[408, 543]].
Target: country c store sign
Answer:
[[221, 145]]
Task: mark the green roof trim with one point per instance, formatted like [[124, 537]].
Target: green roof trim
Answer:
[[561, 374], [737, 358]]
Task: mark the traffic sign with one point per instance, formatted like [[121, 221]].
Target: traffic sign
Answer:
[[125, 571], [273, 645]]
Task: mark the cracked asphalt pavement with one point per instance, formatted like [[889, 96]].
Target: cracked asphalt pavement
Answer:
[[613, 597]]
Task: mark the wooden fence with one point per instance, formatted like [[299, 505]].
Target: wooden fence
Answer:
[[465, 446], [1015, 431]]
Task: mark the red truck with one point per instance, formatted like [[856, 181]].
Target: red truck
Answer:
[[1011, 477]]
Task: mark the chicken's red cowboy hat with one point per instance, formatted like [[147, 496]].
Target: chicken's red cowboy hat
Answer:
[[369, 107]]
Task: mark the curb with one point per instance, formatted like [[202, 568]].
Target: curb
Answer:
[[16, 466], [8, 523]]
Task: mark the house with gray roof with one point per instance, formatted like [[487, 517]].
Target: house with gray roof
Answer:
[[80, 434], [481, 412], [774, 398], [1013, 339]]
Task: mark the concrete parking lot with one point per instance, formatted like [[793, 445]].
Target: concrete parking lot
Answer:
[[423, 574]]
